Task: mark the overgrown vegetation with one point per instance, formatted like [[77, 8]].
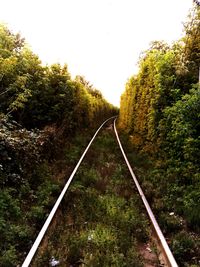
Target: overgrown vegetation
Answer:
[[160, 110], [37, 96], [41, 108], [26, 190], [100, 221]]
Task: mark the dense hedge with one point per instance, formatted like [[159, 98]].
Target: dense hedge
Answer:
[[160, 109], [37, 95], [40, 107]]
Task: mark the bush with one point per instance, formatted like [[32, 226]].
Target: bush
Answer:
[[192, 208], [183, 247], [9, 257]]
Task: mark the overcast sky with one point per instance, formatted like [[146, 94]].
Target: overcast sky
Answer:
[[100, 39]]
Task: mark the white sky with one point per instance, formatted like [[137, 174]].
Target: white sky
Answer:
[[100, 39]]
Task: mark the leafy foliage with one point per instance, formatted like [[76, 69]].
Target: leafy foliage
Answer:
[[40, 107], [21, 189], [160, 109], [37, 96]]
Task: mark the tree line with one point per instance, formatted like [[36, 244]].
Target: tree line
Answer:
[[160, 110], [37, 95], [41, 110]]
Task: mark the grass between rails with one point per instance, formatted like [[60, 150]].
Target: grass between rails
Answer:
[[100, 221], [184, 243]]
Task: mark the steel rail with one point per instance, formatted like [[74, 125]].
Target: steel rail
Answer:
[[42, 232], [167, 252]]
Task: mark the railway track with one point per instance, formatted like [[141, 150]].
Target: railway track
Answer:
[[71, 224]]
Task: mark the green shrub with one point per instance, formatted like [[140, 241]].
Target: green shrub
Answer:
[[9, 257], [192, 208], [183, 247]]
